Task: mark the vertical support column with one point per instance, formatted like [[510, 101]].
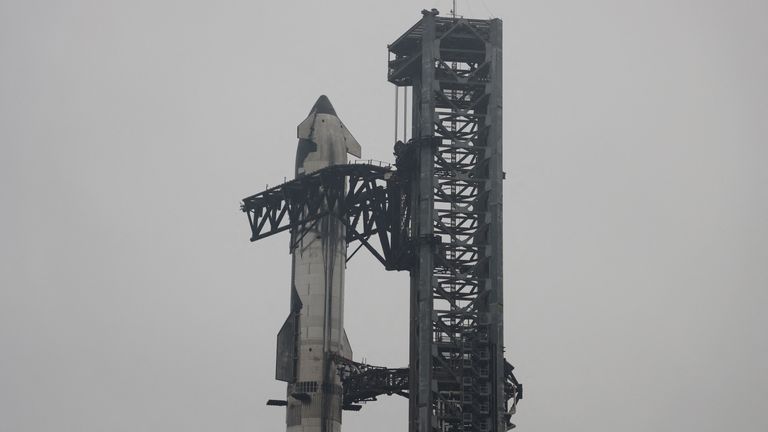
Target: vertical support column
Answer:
[[423, 130], [494, 122]]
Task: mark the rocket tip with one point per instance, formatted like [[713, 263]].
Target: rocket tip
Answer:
[[323, 106]]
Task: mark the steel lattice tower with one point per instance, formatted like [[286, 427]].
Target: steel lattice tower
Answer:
[[457, 367]]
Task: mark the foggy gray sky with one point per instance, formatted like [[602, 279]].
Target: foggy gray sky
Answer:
[[636, 143]]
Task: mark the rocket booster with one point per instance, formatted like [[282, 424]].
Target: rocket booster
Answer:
[[314, 330]]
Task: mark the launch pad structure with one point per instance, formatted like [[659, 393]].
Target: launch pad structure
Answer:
[[437, 213]]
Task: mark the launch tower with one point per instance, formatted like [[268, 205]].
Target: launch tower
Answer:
[[456, 354]]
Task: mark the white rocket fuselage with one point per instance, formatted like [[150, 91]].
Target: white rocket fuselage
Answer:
[[319, 262]]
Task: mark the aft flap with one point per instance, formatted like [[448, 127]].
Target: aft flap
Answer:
[[346, 348], [286, 351]]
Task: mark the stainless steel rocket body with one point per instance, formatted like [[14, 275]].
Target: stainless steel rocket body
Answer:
[[314, 331]]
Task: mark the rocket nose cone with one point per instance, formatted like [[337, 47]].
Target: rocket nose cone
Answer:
[[323, 106]]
